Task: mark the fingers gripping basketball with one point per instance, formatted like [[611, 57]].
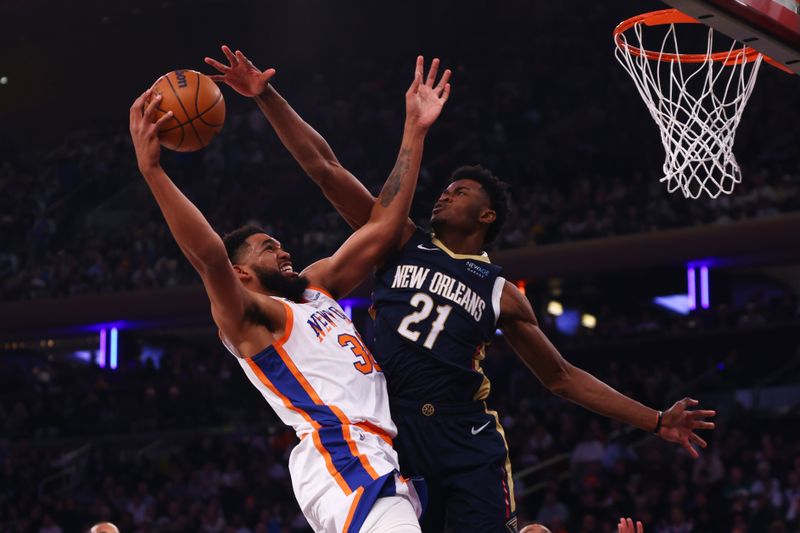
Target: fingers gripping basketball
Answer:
[[197, 106]]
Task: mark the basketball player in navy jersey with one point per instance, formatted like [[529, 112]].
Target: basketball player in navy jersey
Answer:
[[438, 302]]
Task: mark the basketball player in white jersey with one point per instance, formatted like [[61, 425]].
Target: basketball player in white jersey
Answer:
[[293, 340]]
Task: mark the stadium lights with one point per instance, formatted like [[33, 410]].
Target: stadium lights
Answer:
[[355, 303], [108, 352], [3, 80], [521, 285], [677, 303], [704, 300], [555, 308], [101, 354], [588, 321], [691, 281], [112, 357]]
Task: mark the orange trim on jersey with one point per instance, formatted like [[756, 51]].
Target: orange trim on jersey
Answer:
[[352, 511], [315, 437], [287, 329], [338, 412], [348, 438], [375, 430], [329, 463], [323, 291]]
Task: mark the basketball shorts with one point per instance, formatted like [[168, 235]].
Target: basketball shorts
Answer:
[[338, 474], [460, 451]]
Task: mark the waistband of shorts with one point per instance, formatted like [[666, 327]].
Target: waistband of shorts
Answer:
[[424, 408], [364, 426]]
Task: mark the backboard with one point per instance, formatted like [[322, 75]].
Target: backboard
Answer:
[[770, 26]]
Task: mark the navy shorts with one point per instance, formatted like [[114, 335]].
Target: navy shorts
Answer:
[[461, 452]]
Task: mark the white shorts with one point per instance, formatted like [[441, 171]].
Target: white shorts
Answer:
[[392, 514], [338, 475]]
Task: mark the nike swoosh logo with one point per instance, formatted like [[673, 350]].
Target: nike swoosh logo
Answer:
[[426, 248], [476, 431]]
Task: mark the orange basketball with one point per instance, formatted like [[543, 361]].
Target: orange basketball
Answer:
[[198, 110]]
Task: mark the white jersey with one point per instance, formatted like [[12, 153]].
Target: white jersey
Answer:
[[322, 381]]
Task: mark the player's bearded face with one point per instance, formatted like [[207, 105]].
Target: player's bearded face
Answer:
[[291, 287]]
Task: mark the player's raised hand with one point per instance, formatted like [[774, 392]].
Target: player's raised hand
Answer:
[[678, 425], [424, 100], [240, 73], [144, 130]]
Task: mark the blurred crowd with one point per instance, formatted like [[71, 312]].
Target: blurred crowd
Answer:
[[181, 442], [76, 217]]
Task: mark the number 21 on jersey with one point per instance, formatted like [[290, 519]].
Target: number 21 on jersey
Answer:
[[424, 305]]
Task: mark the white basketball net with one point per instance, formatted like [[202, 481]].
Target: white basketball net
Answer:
[[697, 107]]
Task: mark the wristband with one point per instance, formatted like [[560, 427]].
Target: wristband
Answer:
[[658, 424]]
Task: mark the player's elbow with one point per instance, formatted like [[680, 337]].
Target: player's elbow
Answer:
[[559, 381], [320, 169]]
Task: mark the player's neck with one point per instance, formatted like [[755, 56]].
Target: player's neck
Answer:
[[460, 243], [259, 289]]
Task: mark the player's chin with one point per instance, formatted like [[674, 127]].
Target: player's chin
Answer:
[[438, 221]]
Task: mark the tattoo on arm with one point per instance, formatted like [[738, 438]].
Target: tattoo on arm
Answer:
[[392, 185]]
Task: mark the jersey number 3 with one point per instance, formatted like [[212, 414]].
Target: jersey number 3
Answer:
[[424, 305], [366, 363]]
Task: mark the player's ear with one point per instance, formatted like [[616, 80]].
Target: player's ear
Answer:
[[242, 273], [488, 216]]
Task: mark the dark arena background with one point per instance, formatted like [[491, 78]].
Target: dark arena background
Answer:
[[118, 402]]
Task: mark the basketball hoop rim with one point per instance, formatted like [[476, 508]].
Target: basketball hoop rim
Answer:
[[673, 16]]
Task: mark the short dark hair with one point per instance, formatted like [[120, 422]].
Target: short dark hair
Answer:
[[234, 241], [497, 191]]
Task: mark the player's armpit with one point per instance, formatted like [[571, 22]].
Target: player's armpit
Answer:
[[514, 305], [236, 310]]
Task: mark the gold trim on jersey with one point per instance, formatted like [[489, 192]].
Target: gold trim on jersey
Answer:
[[486, 386], [509, 476], [483, 257]]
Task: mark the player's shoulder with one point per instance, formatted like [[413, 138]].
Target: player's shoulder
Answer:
[[514, 304]]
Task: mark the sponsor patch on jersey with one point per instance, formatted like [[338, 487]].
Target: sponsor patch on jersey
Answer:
[[511, 525], [311, 296], [475, 268]]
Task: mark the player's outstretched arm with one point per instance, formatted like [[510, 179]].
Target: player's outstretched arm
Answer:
[[201, 245], [370, 244], [348, 195], [521, 330]]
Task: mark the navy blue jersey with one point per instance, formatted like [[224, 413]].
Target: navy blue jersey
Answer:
[[434, 313]]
